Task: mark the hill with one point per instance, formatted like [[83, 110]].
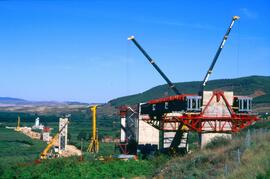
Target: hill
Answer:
[[255, 86], [8, 100], [17, 101]]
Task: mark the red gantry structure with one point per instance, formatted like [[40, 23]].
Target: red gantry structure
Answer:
[[206, 112], [235, 117]]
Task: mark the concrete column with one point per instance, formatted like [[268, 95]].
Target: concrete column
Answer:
[[63, 135], [123, 126]]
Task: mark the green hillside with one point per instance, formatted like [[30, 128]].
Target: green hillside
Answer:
[[258, 86]]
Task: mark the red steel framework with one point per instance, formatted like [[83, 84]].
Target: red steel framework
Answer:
[[196, 121]]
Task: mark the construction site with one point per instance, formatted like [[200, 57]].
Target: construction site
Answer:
[[161, 124], [164, 123], [57, 145], [206, 128]]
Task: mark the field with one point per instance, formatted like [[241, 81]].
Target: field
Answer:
[[17, 148]]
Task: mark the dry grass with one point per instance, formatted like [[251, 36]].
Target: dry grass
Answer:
[[211, 163]]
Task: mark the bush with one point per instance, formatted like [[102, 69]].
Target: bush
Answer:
[[218, 142]]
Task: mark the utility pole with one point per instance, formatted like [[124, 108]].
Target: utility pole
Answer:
[[94, 144]]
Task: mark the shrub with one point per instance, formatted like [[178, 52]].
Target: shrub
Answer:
[[218, 142]]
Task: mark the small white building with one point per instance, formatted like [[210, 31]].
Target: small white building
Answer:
[[37, 125]]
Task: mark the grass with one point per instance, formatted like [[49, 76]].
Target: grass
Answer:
[[88, 168], [255, 161], [220, 159], [17, 148]]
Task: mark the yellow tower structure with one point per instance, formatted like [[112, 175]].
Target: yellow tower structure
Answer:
[[94, 144], [18, 128]]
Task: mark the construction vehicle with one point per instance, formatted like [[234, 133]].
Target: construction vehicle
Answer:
[[191, 102], [210, 70], [18, 128], [190, 112], [94, 144], [45, 154]]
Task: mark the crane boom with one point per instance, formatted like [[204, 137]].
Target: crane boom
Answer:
[[43, 155], [218, 52], [171, 85]]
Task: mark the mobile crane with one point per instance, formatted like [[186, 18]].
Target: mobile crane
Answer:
[[44, 154], [210, 70], [186, 109], [147, 108]]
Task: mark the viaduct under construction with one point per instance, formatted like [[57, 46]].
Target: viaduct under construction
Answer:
[[165, 123]]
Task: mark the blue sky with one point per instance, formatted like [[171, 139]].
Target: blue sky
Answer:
[[78, 50]]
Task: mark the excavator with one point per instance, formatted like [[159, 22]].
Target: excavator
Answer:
[[45, 154]]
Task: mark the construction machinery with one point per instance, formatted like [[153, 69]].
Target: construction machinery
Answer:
[[18, 128], [45, 154], [206, 112], [94, 144], [210, 70]]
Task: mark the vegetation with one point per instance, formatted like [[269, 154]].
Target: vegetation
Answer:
[[240, 86], [234, 159], [243, 157], [88, 168], [218, 142], [80, 123], [222, 158], [16, 147], [231, 160]]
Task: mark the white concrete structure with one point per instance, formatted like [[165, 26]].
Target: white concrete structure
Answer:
[[217, 108], [37, 125], [147, 134], [64, 133], [37, 121], [46, 136], [123, 133]]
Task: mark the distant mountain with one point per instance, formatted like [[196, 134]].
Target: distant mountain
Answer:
[[256, 86], [8, 100], [76, 103], [18, 101]]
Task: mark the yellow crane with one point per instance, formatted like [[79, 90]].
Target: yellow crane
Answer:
[[44, 154], [18, 128], [94, 144]]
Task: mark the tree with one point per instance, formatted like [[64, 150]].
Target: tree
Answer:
[[69, 136], [82, 135]]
